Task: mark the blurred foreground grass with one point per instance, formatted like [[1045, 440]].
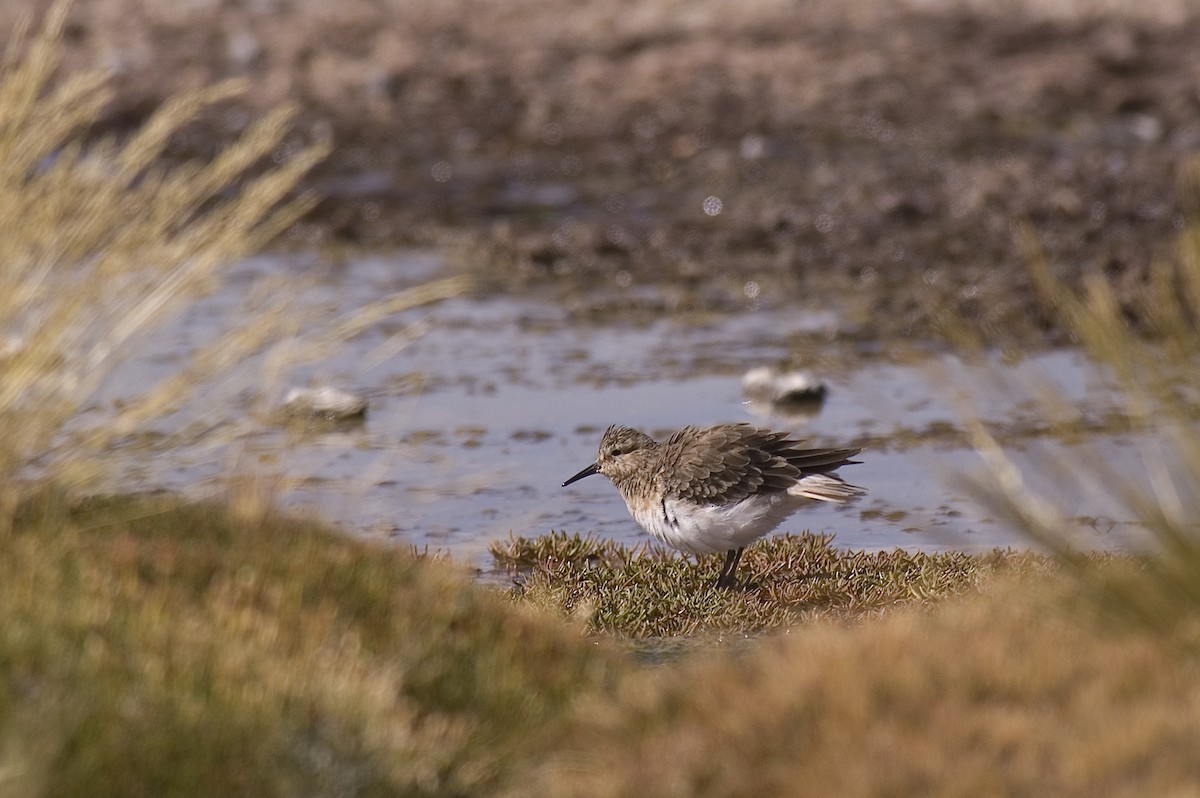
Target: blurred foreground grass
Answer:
[[1153, 483], [150, 648], [103, 240], [98, 244], [1002, 692]]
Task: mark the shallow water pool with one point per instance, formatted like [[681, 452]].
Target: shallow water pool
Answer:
[[481, 407]]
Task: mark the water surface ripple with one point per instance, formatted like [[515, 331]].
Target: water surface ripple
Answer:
[[474, 423]]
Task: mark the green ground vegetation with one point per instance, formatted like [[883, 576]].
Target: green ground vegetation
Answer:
[[643, 591]]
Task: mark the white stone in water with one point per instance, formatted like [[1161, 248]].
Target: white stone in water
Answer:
[[768, 384], [325, 402]]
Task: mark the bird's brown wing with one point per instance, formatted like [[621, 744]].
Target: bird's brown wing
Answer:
[[729, 462]]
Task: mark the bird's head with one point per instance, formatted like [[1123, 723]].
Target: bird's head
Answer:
[[618, 457]]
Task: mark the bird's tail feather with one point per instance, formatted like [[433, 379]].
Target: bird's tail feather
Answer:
[[826, 488]]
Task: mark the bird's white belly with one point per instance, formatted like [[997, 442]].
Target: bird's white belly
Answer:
[[709, 528]]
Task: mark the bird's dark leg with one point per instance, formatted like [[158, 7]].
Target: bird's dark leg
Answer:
[[727, 578]]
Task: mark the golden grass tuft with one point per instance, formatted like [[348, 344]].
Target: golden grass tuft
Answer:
[[1153, 378], [98, 243], [992, 693], [152, 648], [101, 242]]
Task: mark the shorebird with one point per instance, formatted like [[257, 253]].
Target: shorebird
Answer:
[[714, 489]]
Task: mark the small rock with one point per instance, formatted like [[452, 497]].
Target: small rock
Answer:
[[782, 386], [1146, 128], [243, 47], [1117, 50], [795, 394], [328, 403]]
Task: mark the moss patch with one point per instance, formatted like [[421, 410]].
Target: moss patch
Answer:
[[644, 591]]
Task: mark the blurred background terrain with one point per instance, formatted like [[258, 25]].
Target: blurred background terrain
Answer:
[[872, 156]]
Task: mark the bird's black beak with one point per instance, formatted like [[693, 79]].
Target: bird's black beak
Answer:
[[594, 468]]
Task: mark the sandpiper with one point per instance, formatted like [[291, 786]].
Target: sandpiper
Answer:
[[711, 489]]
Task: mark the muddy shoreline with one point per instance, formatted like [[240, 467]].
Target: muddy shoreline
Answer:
[[665, 158]]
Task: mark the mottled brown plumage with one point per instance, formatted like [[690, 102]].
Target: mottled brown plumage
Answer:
[[730, 462], [707, 489]]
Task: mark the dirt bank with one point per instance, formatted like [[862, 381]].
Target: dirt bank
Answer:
[[671, 156]]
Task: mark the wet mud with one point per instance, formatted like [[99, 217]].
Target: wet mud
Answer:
[[647, 159]]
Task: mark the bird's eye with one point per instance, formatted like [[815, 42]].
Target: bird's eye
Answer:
[[615, 451]]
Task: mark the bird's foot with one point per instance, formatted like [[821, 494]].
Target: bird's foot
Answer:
[[727, 582]]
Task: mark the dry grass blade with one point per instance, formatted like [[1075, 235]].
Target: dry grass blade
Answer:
[[1154, 381], [99, 244]]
